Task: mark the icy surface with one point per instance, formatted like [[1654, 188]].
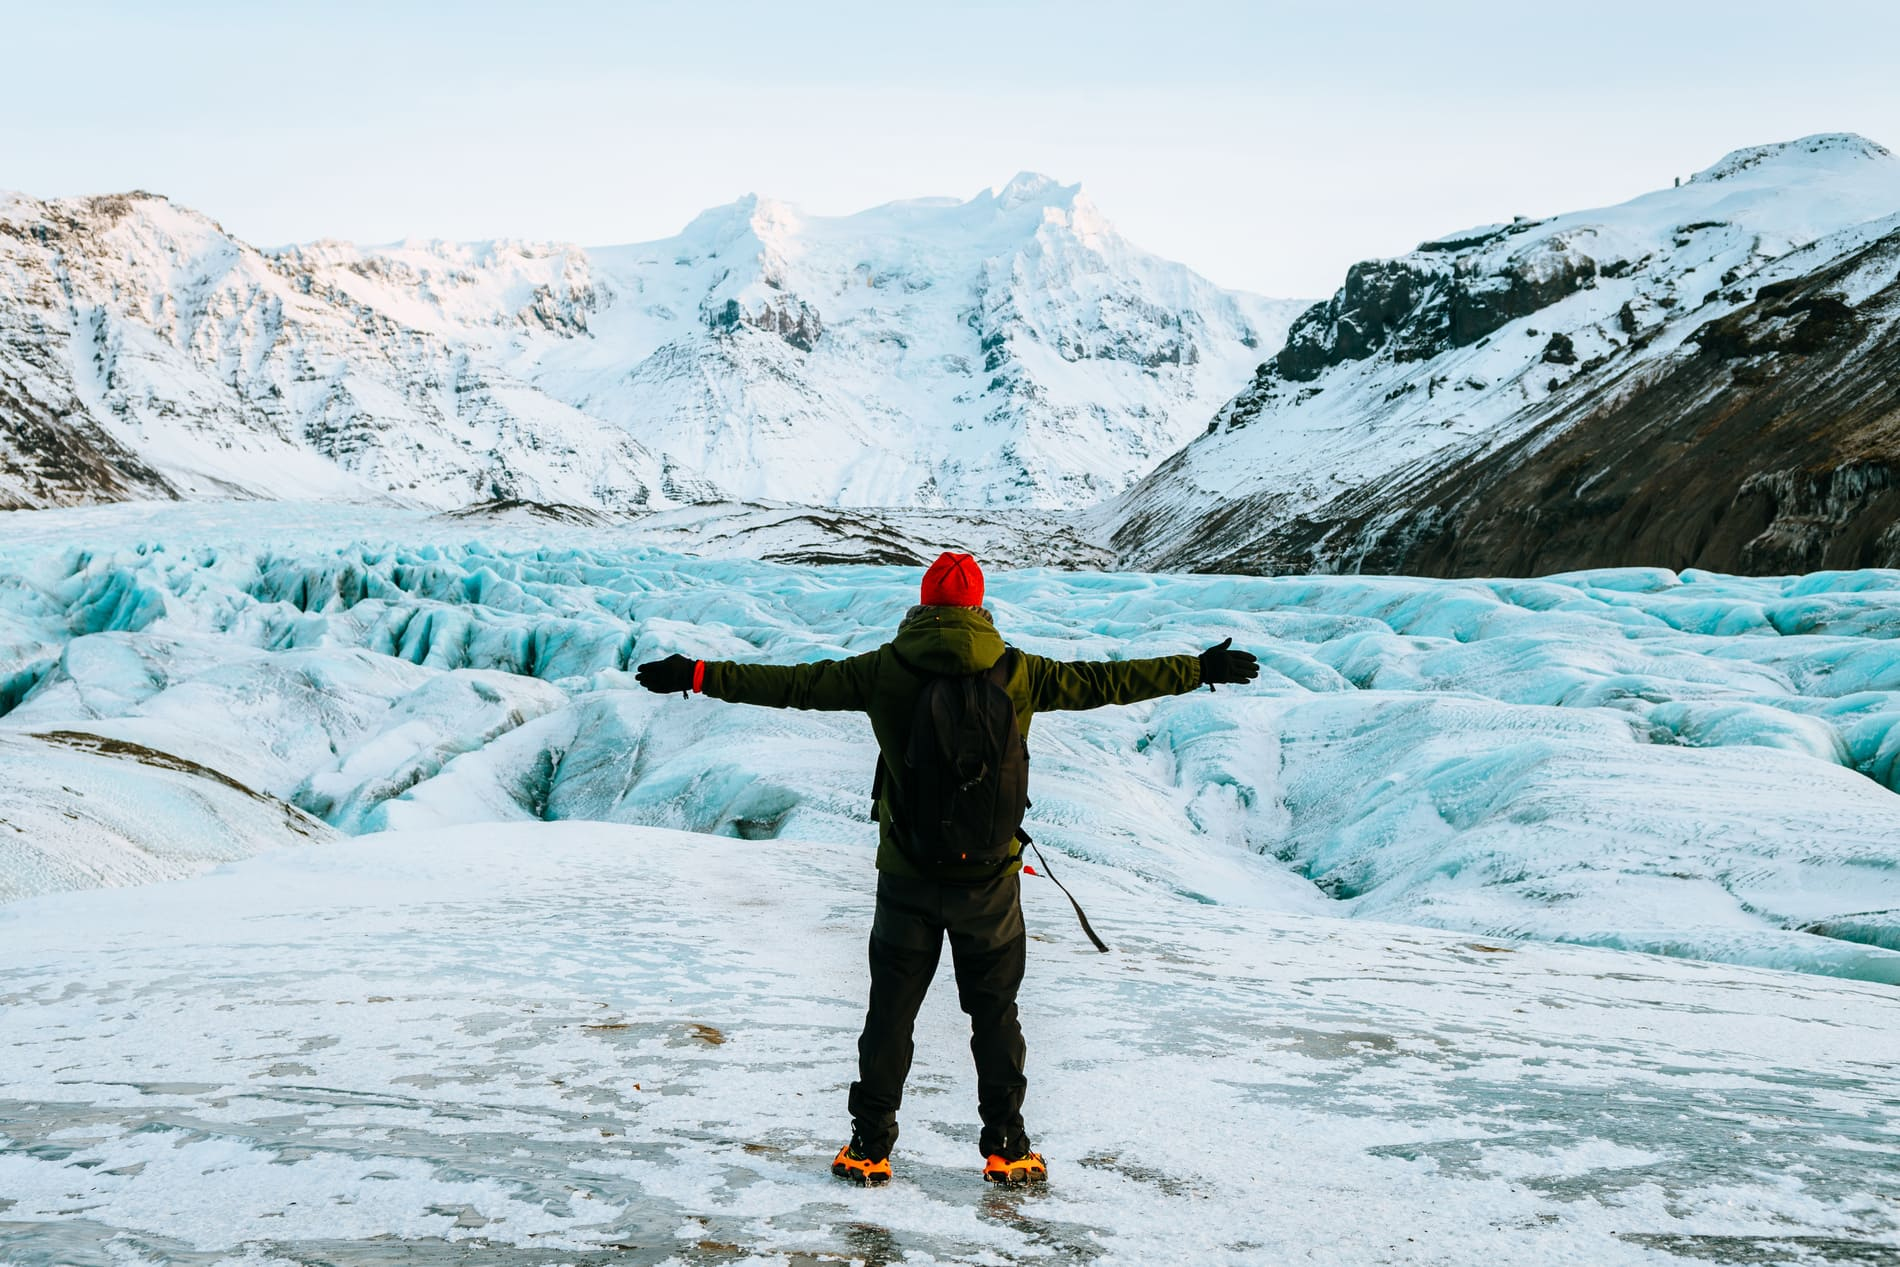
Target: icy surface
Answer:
[[558, 1043], [1694, 764], [77, 811]]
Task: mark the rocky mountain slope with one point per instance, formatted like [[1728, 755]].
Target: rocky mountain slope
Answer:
[[1701, 376], [1011, 349], [1771, 444]]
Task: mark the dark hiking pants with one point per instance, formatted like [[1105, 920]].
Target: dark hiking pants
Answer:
[[987, 947]]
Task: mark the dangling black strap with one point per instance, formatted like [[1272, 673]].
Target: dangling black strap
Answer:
[[1084, 919]]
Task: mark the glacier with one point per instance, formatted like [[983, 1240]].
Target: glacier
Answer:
[[356, 905], [1690, 764]]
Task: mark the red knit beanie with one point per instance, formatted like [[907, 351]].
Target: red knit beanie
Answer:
[[954, 580]]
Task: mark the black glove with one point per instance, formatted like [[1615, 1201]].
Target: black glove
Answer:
[[1218, 664], [663, 677]]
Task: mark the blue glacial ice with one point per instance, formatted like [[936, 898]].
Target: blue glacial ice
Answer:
[[1685, 763]]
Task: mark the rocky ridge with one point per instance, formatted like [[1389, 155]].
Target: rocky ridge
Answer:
[[1697, 377]]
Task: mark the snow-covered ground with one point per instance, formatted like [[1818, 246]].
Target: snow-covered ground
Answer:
[[561, 1043]]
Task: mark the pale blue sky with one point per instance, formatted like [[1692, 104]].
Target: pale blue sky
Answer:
[[1268, 145]]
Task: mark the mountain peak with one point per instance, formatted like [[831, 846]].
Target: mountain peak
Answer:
[[752, 214], [1025, 188], [144, 211], [1823, 149]]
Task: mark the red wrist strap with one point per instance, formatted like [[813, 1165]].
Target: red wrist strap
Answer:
[[699, 677]]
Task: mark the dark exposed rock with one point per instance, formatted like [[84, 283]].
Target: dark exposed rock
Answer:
[[726, 319], [1561, 350], [552, 512], [1785, 317], [787, 316], [1379, 295], [62, 458], [1419, 306], [561, 313], [1685, 232], [1476, 308]]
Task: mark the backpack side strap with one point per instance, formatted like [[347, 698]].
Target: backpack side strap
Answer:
[[1080, 917]]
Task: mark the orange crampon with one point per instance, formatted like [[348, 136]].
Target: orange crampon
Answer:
[[1029, 1168], [859, 1169]]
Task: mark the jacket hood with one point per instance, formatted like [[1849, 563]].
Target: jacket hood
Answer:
[[949, 640]]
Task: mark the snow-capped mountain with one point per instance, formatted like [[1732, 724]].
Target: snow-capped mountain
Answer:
[[1008, 350], [148, 353], [1701, 376]]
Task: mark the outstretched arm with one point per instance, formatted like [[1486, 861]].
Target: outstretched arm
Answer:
[[1057, 685], [825, 684]]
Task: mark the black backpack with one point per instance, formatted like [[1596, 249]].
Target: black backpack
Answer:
[[965, 781]]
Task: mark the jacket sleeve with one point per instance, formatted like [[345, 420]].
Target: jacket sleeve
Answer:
[[835, 685], [1057, 685]]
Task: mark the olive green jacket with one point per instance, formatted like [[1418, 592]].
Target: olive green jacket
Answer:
[[942, 641]]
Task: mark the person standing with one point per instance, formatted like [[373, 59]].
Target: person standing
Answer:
[[950, 705]]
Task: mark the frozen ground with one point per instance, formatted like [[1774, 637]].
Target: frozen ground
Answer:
[[581, 1043], [1692, 764]]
